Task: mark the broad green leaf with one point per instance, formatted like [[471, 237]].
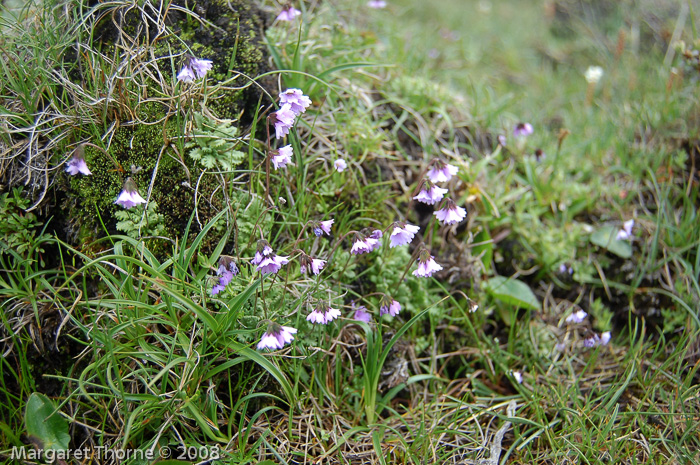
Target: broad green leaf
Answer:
[[606, 237], [512, 292], [45, 423]]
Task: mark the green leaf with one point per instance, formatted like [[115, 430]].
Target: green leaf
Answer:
[[45, 423], [606, 237], [512, 292]]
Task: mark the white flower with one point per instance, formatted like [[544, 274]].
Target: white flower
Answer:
[[593, 74], [340, 165]]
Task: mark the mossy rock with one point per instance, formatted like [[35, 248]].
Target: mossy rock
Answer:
[[152, 127]]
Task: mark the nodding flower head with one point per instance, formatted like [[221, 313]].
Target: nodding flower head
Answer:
[[265, 259], [523, 130], [296, 99], [226, 271], [364, 243], [315, 264], [323, 315], [322, 227], [626, 232], [276, 337], [389, 306], [402, 234], [288, 13], [282, 156], [129, 196], [430, 193], [440, 171], [426, 265], [283, 119], [77, 164], [340, 165], [450, 213], [361, 313], [194, 68]]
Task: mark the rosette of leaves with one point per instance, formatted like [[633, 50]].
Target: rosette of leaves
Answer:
[[214, 144]]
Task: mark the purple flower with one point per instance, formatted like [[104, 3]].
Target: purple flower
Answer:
[[283, 119], [450, 213], [307, 262], [576, 317], [426, 265], [502, 140], [200, 67], [340, 165], [186, 74], [129, 196], [626, 232], [565, 269], [266, 261], [288, 13], [430, 195], [402, 234], [376, 4], [605, 338], [441, 171], [518, 377], [227, 270], [77, 164], [276, 337], [596, 340], [323, 227], [296, 99], [282, 156], [322, 317], [362, 315], [364, 244], [217, 288], [194, 68], [523, 130], [389, 306]]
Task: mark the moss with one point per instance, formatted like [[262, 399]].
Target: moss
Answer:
[[231, 35]]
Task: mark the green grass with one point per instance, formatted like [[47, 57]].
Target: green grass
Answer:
[[122, 332]]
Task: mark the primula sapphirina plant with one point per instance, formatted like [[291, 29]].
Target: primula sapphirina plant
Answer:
[[298, 102], [426, 265], [129, 196], [440, 171], [322, 317], [340, 165], [323, 227], [430, 194], [402, 234], [283, 119], [282, 156], [523, 130], [389, 306], [194, 68], [276, 337], [77, 164], [288, 13], [265, 259], [626, 232], [450, 212]]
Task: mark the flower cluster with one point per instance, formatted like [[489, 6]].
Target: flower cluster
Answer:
[[597, 340], [266, 261], [626, 232], [226, 271], [276, 337], [293, 103], [322, 316], [288, 13]]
